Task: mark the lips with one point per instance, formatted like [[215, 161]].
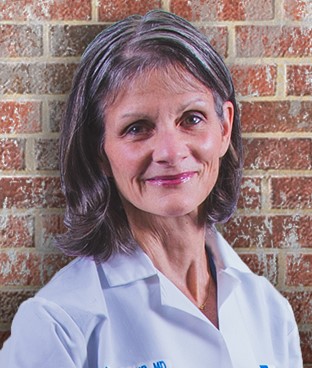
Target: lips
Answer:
[[168, 180]]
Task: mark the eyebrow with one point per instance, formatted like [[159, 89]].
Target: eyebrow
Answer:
[[144, 116]]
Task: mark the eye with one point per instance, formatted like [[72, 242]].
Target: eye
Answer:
[[138, 129], [192, 119]]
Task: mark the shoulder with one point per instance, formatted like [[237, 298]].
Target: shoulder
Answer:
[[76, 289], [266, 301], [76, 275], [256, 292]]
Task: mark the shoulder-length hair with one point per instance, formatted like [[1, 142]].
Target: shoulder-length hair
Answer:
[[96, 222]]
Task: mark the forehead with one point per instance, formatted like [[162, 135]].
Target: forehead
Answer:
[[176, 80]]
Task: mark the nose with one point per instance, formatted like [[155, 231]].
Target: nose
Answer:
[[169, 147]]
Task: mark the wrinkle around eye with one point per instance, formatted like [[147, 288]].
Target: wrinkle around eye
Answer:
[[138, 130], [193, 119]]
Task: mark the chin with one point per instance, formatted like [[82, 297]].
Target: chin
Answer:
[[177, 211]]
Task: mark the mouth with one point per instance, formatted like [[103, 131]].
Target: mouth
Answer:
[[168, 180]]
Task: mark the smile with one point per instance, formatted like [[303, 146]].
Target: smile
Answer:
[[167, 180]]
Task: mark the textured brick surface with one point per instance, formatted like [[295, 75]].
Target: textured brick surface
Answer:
[[299, 267], [52, 225], [292, 192], [20, 117], [111, 11], [250, 193], [223, 10], [10, 301], [267, 46], [20, 40], [218, 37], [56, 109], [249, 232], [277, 116], [293, 231], [45, 10], [47, 154], [3, 336], [278, 154], [28, 269], [262, 264], [284, 231], [30, 192], [17, 231], [276, 41], [298, 10], [254, 80], [36, 78], [12, 154], [72, 40], [306, 346], [299, 80], [301, 303]]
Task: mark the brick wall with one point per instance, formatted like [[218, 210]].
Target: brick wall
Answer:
[[267, 45]]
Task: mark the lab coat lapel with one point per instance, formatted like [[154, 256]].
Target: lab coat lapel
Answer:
[[172, 297], [232, 325]]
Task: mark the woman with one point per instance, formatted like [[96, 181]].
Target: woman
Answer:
[[151, 160]]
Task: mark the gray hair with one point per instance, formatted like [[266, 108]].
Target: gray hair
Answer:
[[97, 224]]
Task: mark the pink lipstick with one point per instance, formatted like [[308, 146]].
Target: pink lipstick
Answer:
[[167, 180]]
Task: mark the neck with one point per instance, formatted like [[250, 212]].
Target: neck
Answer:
[[176, 246]]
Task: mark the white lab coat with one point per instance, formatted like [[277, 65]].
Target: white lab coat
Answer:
[[124, 313]]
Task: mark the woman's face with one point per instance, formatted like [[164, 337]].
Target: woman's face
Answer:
[[163, 141]]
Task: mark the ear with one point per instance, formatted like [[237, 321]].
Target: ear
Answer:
[[227, 124]]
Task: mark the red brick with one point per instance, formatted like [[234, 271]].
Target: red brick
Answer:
[[42, 192], [51, 263], [290, 232], [111, 11], [306, 346], [52, 225], [20, 117], [20, 268], [10, 301], [273, 41], [20, 41], [45, 10], [56, 110], [298, 270], [29, 268], [301, 302], [16, 231], [72, 40], [47, 154], [254, 80], [278, 154], [299, 80], [211, 10], [37, 78], [4, 335], [293, 192], [250, 197], [12, 154], [218, 38], [249, 232], [276, 116], [298, 10], [262, 264]]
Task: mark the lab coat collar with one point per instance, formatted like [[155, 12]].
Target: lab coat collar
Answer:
[[122, 269], [224, 257]]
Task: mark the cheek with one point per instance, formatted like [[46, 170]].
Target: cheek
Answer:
[[124, 166], [208, 147]]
